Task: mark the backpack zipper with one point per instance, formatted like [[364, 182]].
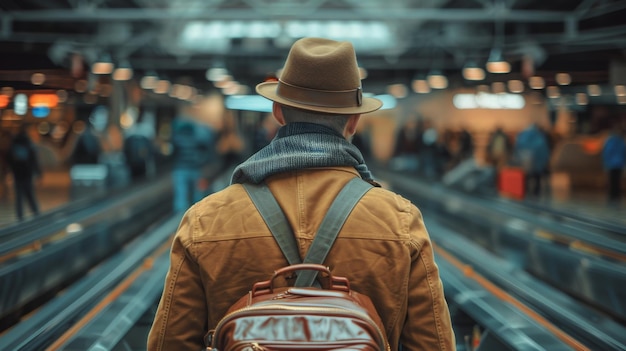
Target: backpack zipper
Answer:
[[287, 346], [247, 309]]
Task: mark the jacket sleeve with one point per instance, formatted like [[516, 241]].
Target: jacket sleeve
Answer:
[[428, 325], [180, 322]]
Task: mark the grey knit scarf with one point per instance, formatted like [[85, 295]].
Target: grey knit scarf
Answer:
[[298, 146]]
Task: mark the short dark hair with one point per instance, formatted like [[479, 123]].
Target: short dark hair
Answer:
[[335, 121]]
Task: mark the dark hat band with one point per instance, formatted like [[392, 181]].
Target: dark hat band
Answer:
[[323, 98]]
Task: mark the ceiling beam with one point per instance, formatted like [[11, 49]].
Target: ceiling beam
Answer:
[[442, 15], [616, 33]]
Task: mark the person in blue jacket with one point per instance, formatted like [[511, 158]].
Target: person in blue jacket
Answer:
[[614, 159], [533, 154], [193, 150]]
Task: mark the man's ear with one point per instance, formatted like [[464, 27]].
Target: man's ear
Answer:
[[277, 112], [350, 129]]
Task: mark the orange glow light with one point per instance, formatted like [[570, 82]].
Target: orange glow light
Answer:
[[592, 146], [48, 100], [4, 101]]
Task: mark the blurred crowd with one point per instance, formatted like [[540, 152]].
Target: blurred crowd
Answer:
[[194, 150], [454, 158]]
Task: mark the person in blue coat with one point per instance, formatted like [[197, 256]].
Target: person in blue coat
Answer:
[[614, 159], [533, 155], [193, 150]]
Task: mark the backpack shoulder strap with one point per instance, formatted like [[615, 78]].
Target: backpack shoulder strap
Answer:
[[275, 219], [329, 229], [334, 219]]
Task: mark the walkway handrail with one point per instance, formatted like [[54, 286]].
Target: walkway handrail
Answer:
[[56, 317]]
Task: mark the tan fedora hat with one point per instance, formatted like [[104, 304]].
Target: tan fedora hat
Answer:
[[320, 75]]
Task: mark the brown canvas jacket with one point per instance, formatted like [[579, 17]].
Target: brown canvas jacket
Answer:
[[222, 247]]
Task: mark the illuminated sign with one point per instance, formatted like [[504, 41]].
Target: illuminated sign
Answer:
[[261, 104], [4, 101], [41, 111], [216, 36], [20, 104], [489, 101], [48, 100]]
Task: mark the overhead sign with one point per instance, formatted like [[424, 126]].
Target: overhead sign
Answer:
[[217, 36], [48, 100], [20, 104], [489, 101], [41, 111], [261, 104], [4, 101]]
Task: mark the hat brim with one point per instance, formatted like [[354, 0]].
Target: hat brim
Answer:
[[268, 90]]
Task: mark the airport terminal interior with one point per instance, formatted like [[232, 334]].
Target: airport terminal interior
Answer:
[[531, 256]]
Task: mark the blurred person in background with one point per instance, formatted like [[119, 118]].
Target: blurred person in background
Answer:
[[139, 153], [230, 146], [499, 148], [614, 160], [428, 156], [408, 146], [466, 145], [532, 153], [460, 146], [88, 147], [434, 155], [361, 140], [265, 133], [5, 144], [409, 139], [194, 148], [24, 164]]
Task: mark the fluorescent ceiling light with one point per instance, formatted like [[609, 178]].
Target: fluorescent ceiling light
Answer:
[[563, 78], [149, 81], [471, 71], [594, 90], [553, 92], [496, 63], [261, 104], [536, 82], [582, 99], [489, 101], [420, 86], [216, 36], [103, 66], [516, 86], [123, 72], [437, 80]]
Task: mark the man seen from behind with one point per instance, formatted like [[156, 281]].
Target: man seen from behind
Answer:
[[223, 246]]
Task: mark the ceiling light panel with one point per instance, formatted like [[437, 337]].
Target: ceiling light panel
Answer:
[[216, 36]]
